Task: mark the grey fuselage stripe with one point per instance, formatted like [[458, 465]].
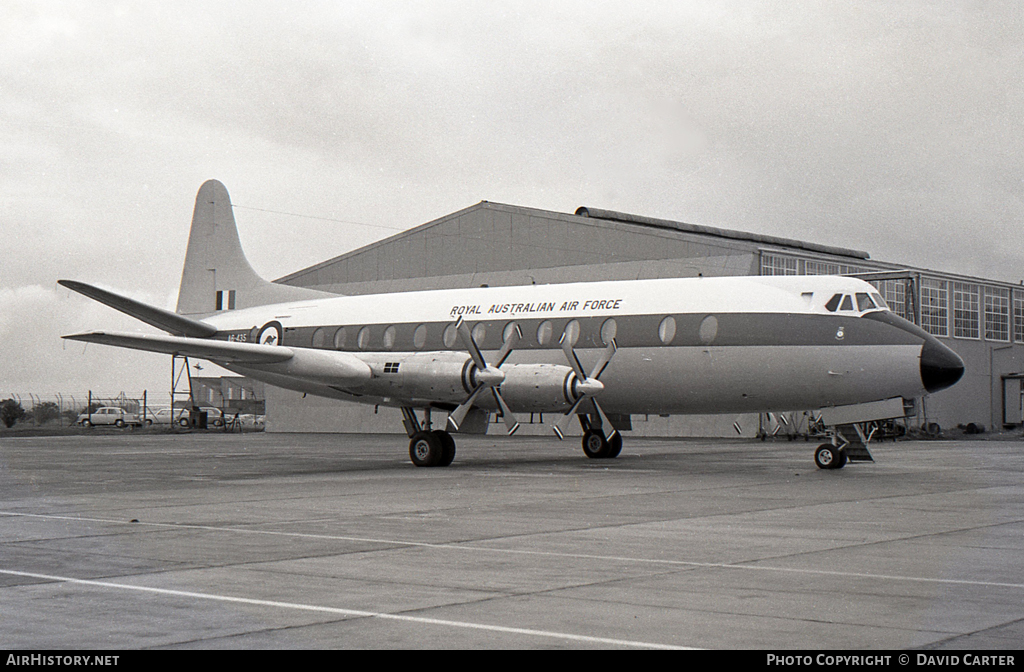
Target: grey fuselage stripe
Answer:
[[693, 330]]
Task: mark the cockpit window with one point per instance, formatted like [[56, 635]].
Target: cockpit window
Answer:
[[864, 301], [879, 301], [833, 303], [847, 303]]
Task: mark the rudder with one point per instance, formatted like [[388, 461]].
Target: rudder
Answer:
[[217, 276]]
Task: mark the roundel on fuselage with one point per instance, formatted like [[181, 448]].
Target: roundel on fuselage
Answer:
[[270, 334]]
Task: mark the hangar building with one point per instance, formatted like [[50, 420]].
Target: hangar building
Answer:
[[494, 244]]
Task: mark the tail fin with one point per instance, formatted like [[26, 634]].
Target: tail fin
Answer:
[[217, 276]]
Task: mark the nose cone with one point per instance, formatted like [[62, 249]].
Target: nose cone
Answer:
[[940, 366]]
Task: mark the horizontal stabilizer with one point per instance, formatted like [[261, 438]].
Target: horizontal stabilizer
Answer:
[[221, 351], [330, 367], [158, 317]]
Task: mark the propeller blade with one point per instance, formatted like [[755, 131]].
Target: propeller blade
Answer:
[[605, 422], [506, 412], [606, 357], [456, 417], [563, 422], [506, 348], [467, 340], [570, 354]]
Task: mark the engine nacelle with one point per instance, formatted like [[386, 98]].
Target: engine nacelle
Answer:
[[439, 376], [538, 388]]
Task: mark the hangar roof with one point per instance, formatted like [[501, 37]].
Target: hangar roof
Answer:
[[506, 244]]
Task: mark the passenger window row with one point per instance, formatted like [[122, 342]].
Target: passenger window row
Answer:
[[362, 338]]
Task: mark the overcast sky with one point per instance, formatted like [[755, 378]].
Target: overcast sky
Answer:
[[894, 128]]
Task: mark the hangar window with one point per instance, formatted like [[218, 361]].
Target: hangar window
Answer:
[[1018, 317], [544, 332], [389, 337], [774, 264], [833, 303], [319, 336], [935, 306], [363, 339], [667, 330], [966, 310], [419, 337], [997, 314], [339, 338], [608, 330]]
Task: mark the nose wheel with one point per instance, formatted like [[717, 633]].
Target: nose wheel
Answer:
[[828, 456]]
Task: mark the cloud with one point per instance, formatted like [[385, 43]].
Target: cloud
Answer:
[[888, 127], [35, 360]]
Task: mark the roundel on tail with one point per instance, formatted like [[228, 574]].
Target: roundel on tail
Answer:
[[271, 333]]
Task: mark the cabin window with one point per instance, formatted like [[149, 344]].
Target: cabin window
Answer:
[[389, 337], [479, 333], [419, 337], [319, 336], [708, 330], [339, 338], [847, 303], [510, 329], [450, 335], [608, 330], [833, 303], [363, 339], [667, 330], [572, 332], [544, 332]]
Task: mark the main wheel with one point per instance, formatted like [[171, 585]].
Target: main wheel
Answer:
[[595, 445], [447, 446], [615, 445], [828, 456], [426, 449]]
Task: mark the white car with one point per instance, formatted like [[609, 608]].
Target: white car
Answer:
[[165, 416], [214, 416], [108, 415]]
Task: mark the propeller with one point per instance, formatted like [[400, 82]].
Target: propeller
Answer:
[[587, 387], [485, 377]]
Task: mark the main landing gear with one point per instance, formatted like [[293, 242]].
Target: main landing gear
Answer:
[[427, 447], [597, 446], [432, 448]]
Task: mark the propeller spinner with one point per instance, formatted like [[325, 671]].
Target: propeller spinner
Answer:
[[485, 376]]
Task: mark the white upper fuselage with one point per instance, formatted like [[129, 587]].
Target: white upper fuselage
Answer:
[[693, 345], [758, 294]]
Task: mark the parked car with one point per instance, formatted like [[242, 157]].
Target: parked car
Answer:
[[214, 416], [108, 415], [161, 415], [250, 421]]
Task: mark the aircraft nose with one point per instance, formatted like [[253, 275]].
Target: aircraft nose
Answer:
[[940, 366]]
